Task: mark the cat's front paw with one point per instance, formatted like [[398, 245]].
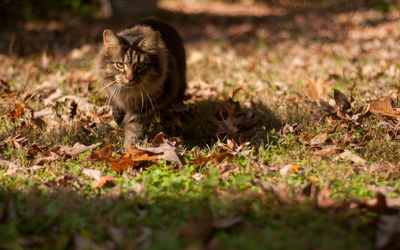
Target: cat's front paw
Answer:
[[133, 133], [130, 141]]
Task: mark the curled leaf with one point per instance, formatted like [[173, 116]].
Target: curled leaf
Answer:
[[102, 181], [341, 101], [384, 107]]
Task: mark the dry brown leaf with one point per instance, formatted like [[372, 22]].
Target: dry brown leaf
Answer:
[[347, 155], [134, 158], [235, 149], [48, 159], [77, 149], [94, 173], [217, 158], [226, 125], [324, 201], [319, 139], [102, 181], [345, 139], [290, 128], [18, 111], [384, 107], [82, 103], [341, 101], [318, 89], [160, 137], [166, 150], [104, 154], [326, 152]]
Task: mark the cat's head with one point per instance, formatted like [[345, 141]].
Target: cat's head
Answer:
[[131, 59]]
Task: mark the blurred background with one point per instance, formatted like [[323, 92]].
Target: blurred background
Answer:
[[44, 23]]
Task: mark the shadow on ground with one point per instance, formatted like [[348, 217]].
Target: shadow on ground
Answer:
[[204, 122]]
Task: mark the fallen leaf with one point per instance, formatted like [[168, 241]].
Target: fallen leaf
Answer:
[[341, 101], [94, 173], [161, 137], [134, 158], [290, 128], [47, 159], [217, 158], [17, 112], [384, 107], [104, 154], [102, 181], [326, 152], [77, 149], [318, 89], [319, 139], [325, 107], [82, 103], [347, 155], [345, 139], [324, 201], [166, 151]]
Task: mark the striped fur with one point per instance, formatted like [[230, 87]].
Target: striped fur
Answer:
[[143, 70]]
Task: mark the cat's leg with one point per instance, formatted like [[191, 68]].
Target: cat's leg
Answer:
[[117, 113], [135, 127]]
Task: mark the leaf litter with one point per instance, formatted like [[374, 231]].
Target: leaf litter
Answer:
[[347, 134], [139, 156]]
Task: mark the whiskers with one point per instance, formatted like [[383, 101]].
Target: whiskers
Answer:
[[114, 88], [108, 85], [113, 91], [141, 94], [155, 109]]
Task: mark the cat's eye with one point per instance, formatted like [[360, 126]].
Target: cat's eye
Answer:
[[140, 65], [119, 65]]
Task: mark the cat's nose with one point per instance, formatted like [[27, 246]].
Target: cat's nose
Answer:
[[129, 75]]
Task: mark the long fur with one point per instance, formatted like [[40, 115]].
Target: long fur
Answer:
[[143, 70]]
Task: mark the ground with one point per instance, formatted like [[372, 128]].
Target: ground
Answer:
[[289, 137]]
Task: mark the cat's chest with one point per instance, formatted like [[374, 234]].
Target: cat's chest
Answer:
[[137, 99]]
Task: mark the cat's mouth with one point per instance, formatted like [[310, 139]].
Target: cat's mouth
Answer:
[[131, 84]]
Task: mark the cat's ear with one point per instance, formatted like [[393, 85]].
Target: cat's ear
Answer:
[[150, 42], [110, 40]]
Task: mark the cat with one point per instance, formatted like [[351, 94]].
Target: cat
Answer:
[[143, 69]]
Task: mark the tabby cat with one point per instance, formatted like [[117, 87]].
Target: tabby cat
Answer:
[[143, 70]]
